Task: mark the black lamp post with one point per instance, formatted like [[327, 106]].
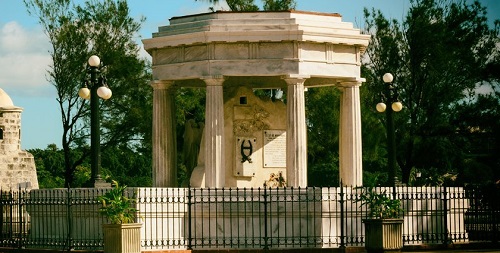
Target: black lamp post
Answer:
[[98, 88], [390, 96]]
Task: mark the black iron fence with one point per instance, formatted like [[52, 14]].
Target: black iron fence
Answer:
[[189, 218], [482, 219]]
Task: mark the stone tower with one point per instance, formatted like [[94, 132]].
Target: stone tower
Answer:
[[17, 167]]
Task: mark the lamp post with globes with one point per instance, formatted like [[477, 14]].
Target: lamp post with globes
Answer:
[[93, 89], [390, 96]]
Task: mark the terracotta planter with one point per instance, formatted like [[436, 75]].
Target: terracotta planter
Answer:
[[383, 235], [122, 238]]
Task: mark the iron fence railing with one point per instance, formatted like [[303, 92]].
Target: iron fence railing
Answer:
[[266, 218]]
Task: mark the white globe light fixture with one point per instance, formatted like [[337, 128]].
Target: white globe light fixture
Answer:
[[381, 107], [388, 78], [397, 106], [104, 92], [84, 93], [94, 61], [389, 95], [92, 90]]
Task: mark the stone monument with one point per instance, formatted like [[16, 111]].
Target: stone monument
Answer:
[[254, 137], [230, 54], [17, 167]]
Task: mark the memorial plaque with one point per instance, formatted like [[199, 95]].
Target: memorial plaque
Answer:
[[274, 149]]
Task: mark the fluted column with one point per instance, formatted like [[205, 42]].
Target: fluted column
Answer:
[[296, 134], [164, 135], [351, 170], [214, 133]]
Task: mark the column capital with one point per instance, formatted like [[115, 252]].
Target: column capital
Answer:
[[295, 79], [352, 83], [216, 80], [161, 84]]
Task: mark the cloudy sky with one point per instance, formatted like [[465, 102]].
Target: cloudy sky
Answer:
[[24, 57]]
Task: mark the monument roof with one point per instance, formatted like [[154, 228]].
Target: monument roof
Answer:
[[258, 49], [229, 26]]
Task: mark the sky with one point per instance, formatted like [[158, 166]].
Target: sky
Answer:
[[25, 58]]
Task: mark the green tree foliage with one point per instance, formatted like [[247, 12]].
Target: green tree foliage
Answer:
[[322, 112], [249, 5], [190, 106], [130, 167], [103, 28], [278, 5], [372, 128], [242, 5], [477, 124], [119, 163], [49, 166], [439, 54]]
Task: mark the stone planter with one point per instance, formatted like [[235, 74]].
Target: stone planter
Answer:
[[122, 238], [383, 235]]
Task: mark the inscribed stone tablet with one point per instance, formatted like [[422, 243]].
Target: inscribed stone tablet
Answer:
[[274, 148]]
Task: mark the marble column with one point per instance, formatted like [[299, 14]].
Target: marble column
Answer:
[[296, 134], [351, 171], [214, 133], [164, 135]]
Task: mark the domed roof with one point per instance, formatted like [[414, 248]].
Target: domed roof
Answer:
[[5, 100], [6, 103]]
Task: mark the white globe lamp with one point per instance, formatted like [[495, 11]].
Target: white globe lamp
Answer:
[[84, 93], [397, 106], [387, 78], [380, 107], [104, 92], [94, 61]]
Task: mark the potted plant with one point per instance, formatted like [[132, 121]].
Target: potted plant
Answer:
[[384, 225], [122, 234]]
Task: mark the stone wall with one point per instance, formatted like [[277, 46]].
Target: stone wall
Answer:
[[17, 167]]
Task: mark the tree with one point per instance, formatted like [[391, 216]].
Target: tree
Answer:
[[477, 122], [438, 55], [128, 166], [322, 140], [248, 5], [49, 166], [278, 5], [103, 28], [121, 164]]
